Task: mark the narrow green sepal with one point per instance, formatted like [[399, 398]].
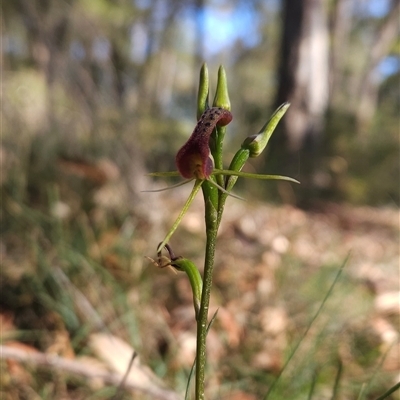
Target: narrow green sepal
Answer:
[[221, 98], [257, 143], [164, 174], [254, 176], [178, 220], [202, 96], [168, 187]]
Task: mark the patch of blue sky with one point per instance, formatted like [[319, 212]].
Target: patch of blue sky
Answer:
[[373, 8], [143, 4], [15, 45], [101, 48], [77, 51], [225, 25], [389, 66]]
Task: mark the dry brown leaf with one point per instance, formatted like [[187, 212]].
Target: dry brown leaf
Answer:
[[15, 368], [274, 320], [117, 355], [6, 322], [99, 173], [88, 370], [228, 321], [61, 345], [186, 349], [388, 303], [268, 359], [391, 362]]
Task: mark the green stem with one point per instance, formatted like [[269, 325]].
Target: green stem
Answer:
[[213, 214], [202, 322]]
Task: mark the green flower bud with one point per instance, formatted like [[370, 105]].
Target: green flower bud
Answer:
[[221, 98], [202, 96], [257, 143]]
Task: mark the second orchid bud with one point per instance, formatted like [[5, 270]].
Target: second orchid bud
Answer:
[[257, 143]]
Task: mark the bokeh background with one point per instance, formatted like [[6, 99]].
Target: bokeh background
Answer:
[[95, 94]]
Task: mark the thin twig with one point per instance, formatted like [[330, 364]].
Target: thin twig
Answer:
[[84, 370], [121, 386], [389, 392]]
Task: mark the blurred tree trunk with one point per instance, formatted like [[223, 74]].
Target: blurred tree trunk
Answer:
[[303, 72], [48, 39], [303, 81], [342, 22], [369, 80]]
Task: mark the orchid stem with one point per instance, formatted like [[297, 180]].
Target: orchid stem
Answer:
[[212, 225]]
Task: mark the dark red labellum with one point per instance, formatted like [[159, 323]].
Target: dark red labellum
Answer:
[[194, 159]]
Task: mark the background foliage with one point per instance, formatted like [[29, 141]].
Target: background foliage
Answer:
[[79, 76]]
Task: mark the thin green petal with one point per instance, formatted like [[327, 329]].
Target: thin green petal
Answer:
[[165, 174], [186, 206], [169, 187], [253, 176]]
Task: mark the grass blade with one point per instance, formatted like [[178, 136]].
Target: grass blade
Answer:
[[340, 270]]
